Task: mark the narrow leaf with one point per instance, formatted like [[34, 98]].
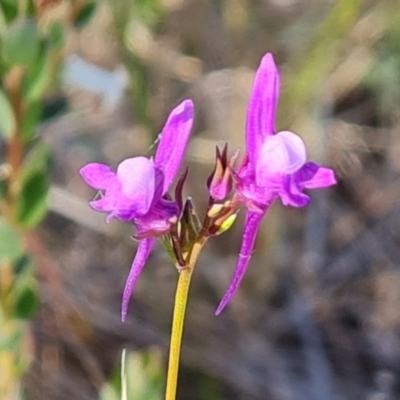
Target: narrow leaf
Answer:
[[10, 243], [7, 118], [32, 200], [85, 15], [26, 302], [21, 42]]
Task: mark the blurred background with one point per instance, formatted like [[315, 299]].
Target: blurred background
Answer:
[[318, 313]]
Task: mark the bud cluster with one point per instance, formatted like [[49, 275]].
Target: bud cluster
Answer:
[[219, 217]]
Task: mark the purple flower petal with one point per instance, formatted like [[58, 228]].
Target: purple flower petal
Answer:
[[120, 207], [291, 194], [137, 178], [272, 161], [158, 185], [296, 150], [145, 246], [280, 154], [251, 226], [174, 138], [98, 176], [107, 201], [131, 192], [104, 204], [158, 220], [312, 176], [262, 107]]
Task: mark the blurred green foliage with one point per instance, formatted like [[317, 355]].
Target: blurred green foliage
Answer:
[[21, 42], [10, 243], [141, 377], [32, 41], [7, 120], [31, 205], [85, 15]]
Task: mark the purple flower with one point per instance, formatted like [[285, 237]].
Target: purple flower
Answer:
[[274, 166], [219, 182], [136, 191]]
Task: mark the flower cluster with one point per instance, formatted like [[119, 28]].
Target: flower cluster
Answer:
[[274, 166]]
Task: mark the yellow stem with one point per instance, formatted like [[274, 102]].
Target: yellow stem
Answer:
[[181, 297]]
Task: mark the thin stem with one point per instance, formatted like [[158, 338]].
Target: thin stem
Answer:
[[181, 297]]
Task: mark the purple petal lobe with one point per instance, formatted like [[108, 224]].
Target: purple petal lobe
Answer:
[[291, 195], [105, 204], [145, 246], [262, 107], [219, 191], [312, 176], [272, 161], [157, 221], [295, 149], [174, 138], [98, 176], [281, 154], [252, 224], [137, 178]]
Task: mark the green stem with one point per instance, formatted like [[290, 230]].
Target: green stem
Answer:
[[181, 297]]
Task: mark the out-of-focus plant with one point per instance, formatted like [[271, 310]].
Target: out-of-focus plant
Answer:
[[141, 378], [32, 39], [384, 77], [139, 17], [317, 60]]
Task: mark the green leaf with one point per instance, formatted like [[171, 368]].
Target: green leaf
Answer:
[[7, 118], [142, 377], [31, 204], [11, 339], [26, 301], [31, 120], [24, 266], [3, 23], [56, 34], [109, 393], [32, 200], [37, 159], [85, 15], [10, 243], [145, 375], [3, 187], [10, 9], [53, 108], [148, 11], [38, 78], [21, 42], [30, 8]]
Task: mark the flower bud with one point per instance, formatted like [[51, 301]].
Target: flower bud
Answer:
[[179, 189], [224, 218], [220, 181], [215, 210], [226, 224], [189, 226]]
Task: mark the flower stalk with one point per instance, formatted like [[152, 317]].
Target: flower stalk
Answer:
[[181, 297], [208, 229]]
